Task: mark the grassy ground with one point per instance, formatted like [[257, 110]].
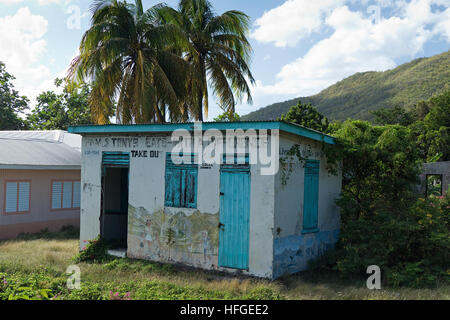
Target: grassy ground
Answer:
[[35, 262]]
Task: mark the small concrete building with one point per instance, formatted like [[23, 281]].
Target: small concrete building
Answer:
[[217, 196], [435, 178], [39, 181]]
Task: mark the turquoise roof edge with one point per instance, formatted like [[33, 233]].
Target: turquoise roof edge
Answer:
[[154, 128]]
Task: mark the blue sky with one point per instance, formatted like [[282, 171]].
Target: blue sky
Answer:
[[300, 46]]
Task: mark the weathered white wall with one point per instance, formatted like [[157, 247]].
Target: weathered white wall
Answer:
[[91, 162], [146, 202], [292, 249]]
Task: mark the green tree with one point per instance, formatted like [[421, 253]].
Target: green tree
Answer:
[[384, 221], [228, 117], [59, 111], [218, 49], [11, 103], [432, 128], [396, 115], [130, 58], [308, 116]]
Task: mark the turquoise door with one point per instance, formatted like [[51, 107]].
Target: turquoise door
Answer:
[[311, 196], [234, 218]]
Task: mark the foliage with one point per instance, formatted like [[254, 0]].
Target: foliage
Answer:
[[66, 232], [94, 251], [356, 96], [130, 57], [308, 116], [217, 48], [384, 222], [27, 287], [23, 286], [427, 260], [396, 115], [59, 111], [156, 63], [11, 104], [227, 116], [431, 128], [22, 265]]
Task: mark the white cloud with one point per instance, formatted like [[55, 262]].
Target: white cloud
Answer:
[[22, 44], [10, 1], [443, 26], [358, 44], [40, 2], [294, 20]]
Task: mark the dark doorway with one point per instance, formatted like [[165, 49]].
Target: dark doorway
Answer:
[[114, 217]]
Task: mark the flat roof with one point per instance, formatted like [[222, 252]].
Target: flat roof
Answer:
[[169, 127]]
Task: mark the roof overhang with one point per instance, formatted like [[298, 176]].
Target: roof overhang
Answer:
[[170, 127]]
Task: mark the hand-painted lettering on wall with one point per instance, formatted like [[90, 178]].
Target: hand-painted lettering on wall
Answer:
[[145, 154], [126, 142]]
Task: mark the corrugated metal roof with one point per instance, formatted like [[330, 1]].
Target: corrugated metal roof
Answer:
[[46, 149]]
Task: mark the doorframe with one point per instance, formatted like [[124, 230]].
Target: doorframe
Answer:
[[103, 169]]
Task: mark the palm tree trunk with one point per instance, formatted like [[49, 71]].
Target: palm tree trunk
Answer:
[[200, 92]]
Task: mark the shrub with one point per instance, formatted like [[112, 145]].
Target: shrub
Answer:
[[95, 251], [384, 222], [66, 232]]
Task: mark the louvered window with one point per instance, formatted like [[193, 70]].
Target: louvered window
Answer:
[[65, 195], [17, 197]]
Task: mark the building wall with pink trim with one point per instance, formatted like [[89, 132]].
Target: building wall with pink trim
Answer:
[[40, 214]]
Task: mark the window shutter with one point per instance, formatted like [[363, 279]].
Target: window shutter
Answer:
[[175, 187], [24, 197], [191, 188], [76, 194], [116, 159], [181, 183], [169, 191], [56, 195], [11, 197], [67, 195]]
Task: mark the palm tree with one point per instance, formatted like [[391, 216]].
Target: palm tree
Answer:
[[133, 62], [218, 49]]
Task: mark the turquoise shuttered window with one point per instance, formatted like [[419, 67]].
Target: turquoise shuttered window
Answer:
[[17, 196], [65, 195], [181, 184], [311, 196]]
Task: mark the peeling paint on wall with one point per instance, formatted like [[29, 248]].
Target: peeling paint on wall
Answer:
[[292, 253], [192, 239]]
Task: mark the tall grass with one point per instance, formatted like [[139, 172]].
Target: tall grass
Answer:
[[146, 279]]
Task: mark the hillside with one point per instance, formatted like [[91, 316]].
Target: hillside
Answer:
[[357, 95]]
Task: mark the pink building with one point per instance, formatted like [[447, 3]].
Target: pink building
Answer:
[[39, 181]]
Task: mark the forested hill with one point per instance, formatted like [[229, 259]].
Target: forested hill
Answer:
[[356, 96]]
